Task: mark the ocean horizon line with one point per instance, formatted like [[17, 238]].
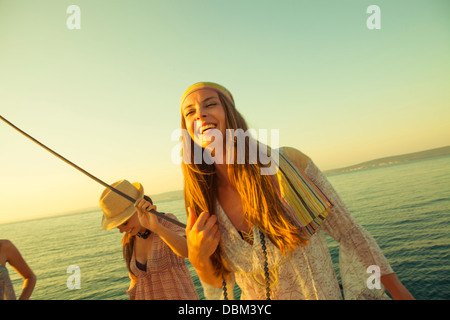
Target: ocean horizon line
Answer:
[[176, 194], [160, 197]]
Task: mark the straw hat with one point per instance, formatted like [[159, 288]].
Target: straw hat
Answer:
[[116, 209]]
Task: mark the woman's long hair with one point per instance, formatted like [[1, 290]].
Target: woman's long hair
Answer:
[[260, 200]]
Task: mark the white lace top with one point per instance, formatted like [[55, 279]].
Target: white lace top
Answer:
[[308, 272]]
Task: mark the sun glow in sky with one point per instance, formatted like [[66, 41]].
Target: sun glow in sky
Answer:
[[106, 96]]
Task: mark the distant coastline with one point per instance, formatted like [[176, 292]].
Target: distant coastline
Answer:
[[167, 196], [431, 153], [393, 160]]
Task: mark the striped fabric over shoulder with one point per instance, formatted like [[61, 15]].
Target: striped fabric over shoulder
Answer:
[[303, 201]]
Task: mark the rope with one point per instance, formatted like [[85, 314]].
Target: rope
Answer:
[[159, 214]]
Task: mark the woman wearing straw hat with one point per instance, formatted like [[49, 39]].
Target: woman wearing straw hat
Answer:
[[265, 232], [153, 248]]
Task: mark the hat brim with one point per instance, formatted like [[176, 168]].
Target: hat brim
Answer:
[[108, 224]]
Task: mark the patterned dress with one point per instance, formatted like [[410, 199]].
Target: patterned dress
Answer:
[[165, 275], [308, 272]]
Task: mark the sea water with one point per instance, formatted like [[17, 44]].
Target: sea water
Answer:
[[404, 206]]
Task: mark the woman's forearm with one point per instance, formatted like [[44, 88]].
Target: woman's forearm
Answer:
[[28, 287], [176, 242], [395, 287], [206, 273]]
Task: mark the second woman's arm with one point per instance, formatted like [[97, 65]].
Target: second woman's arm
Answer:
[[175, 241]]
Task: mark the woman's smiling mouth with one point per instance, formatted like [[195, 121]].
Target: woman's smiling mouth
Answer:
[[200, 128], [208, 126]]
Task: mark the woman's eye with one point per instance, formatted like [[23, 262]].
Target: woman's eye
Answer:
[[193, 111]]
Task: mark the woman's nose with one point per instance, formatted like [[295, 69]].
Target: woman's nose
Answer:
[[200, 114]]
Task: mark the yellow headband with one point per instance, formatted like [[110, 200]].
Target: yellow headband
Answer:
[[207, 85]]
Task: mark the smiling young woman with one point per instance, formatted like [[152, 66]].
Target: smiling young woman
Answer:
[[266, 232]]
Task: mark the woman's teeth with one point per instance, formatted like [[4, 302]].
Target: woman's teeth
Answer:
[[208, 126]]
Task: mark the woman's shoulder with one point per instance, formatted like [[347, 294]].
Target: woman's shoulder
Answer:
[[5, 247], [5, 244], [300, 159]]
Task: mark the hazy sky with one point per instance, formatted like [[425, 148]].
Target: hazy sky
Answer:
[[106, 96]]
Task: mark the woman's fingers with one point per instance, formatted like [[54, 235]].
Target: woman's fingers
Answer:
[[192, 217], [144, 205], [203, 233], [216, 237], [206, 225], [146, 219], [194, 222], [201, 221], [210, 222]]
